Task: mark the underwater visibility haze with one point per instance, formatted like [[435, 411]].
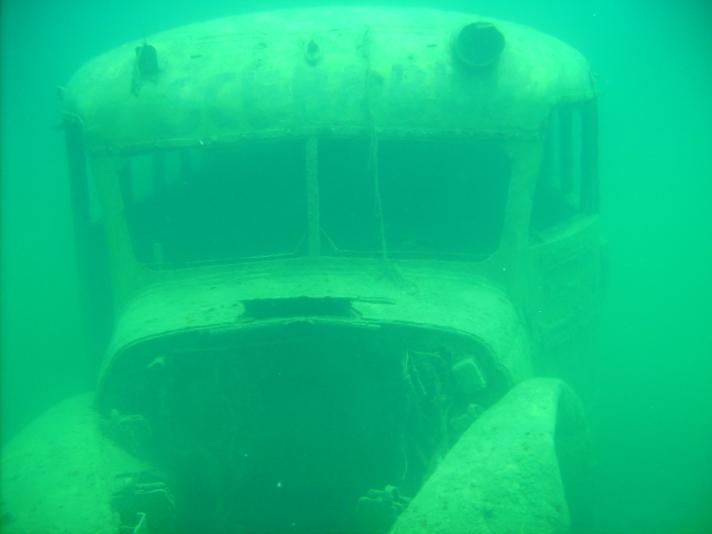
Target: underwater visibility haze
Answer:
[[396, 268]]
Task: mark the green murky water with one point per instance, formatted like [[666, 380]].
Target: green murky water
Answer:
[[646, 393]]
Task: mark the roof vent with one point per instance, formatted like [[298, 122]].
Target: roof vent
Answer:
[[478, 45]]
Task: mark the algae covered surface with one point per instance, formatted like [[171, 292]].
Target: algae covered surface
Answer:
[[644, 393]]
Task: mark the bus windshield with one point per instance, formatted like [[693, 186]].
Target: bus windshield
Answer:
[[407, 198]]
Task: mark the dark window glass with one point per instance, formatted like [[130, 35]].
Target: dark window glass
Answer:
[[443, 197], [211, 203]]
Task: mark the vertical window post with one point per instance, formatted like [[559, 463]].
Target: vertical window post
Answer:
[[312, 176], [566, 150], [374, 170], [79, 187], [589, 157]]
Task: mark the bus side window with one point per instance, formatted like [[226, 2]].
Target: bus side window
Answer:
[[567, 186]]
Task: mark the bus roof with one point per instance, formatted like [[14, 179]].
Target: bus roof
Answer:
[[321, 71]]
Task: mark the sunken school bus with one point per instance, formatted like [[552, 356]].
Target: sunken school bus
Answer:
[[351, 252]]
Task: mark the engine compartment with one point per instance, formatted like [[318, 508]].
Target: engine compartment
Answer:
[[301, 426]]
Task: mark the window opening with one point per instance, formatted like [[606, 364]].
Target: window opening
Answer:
[[443, 197], [216, 203], [567, 186]]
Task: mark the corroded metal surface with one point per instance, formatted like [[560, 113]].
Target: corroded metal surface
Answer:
[[337, 70], [461, 338]]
